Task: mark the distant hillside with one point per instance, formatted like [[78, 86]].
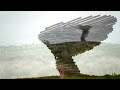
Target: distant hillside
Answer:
[[38, 61], [26, 61], [103, 59]]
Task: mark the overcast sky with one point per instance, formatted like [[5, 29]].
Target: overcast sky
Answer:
[[23, 27]]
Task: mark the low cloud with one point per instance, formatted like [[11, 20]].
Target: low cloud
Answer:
[[37, 60], [103, 59], [27, 61]]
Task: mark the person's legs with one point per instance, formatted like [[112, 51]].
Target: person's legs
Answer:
[[84, 35], [82, 38]]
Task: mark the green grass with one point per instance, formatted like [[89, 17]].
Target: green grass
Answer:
[[81, 76], [72, 48]]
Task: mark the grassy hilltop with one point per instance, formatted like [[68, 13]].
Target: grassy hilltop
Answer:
[[81, 76]]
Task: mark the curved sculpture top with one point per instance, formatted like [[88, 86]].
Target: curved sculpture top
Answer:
[[91, 28]]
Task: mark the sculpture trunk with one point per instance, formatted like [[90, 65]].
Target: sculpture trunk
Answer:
[[63, 53]]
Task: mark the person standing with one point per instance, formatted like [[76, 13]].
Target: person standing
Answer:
[[85, 30]]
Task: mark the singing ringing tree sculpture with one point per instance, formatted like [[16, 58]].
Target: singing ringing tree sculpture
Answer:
[[75, 37]]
